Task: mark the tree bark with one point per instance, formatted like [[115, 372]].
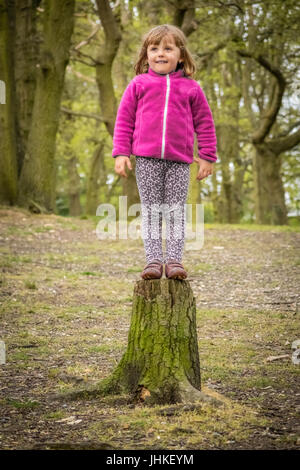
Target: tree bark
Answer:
[[108, 103], [270, 205], [161, 364], [26, 58], [37, 181], [73, 187], [268, 91], [194, 192], [96, 178], [184, 16], [130, 188], [238, 190], [105, 59], [8, 149], [230, 200]]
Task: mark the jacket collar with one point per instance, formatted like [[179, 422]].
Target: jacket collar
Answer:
[[174, 74]]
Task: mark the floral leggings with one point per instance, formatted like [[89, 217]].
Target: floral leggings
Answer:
[[163, 187]]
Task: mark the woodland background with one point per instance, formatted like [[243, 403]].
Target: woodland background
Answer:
[[66, 297], [66, 64]]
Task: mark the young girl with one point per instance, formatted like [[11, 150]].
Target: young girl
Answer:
[[160, 110]]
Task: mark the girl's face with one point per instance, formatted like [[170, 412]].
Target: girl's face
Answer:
[[163, 58]]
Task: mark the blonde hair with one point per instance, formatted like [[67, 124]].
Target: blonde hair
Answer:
[[154, 36]]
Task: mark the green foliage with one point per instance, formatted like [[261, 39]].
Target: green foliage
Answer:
[[269, 28], [30, 285], [29, 404]]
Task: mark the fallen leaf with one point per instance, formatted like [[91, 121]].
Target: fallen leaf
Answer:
[[69, 420], [275, 358]]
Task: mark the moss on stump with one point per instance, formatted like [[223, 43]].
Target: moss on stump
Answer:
[[161, 364]]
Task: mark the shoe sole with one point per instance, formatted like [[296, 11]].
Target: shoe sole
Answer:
[[150, 276], [180, 277]]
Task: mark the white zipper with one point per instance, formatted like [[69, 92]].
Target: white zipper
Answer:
[[165, 117]]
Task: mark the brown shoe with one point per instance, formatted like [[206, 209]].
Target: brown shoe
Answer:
[[175, 270], [153, 270]]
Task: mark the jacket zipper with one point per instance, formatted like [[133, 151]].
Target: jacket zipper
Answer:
[[165, 117]]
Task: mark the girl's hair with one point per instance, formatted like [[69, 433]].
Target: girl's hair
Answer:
[[154, 36]]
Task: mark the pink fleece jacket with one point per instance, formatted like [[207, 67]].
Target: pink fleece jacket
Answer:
[[158, 116]]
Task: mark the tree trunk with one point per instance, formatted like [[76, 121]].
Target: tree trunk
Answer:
[[237, 190], [105, 57], [270, 205], [26, 58], [228, 143], [97, 177], [8, 150], [73, 187], [37, 181], [194, 192], [161, 363], [215, 198], [130, 188]]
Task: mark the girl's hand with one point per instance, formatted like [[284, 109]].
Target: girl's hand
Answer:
[[205, 168], [120, 165]]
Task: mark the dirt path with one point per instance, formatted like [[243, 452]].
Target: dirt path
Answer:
[[65, 313]]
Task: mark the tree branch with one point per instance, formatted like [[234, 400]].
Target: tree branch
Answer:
[[292, 126], [79, 114], [89, 38], [235, 5], [111, 28], [82, 54], [184, 16], [74, 59], [110, 21], [216, 48], [286, 143], [269, 116], [80, 75]]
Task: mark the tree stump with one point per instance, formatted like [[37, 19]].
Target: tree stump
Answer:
[[161, 364]]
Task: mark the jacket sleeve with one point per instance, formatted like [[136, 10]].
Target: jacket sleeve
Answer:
[[125, 121], [204, 125]]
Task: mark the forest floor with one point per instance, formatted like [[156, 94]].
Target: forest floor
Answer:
[[66, 300]]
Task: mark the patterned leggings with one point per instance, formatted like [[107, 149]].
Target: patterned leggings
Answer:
[[163, 187]]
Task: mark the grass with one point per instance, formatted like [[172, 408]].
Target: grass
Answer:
[[106, 348], [254, 227], [21, 404], [65, 322], [204, 267], [30, 284], [204, 427], [55, 415]]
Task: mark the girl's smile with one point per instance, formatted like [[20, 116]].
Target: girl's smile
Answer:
[[163, 58]]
